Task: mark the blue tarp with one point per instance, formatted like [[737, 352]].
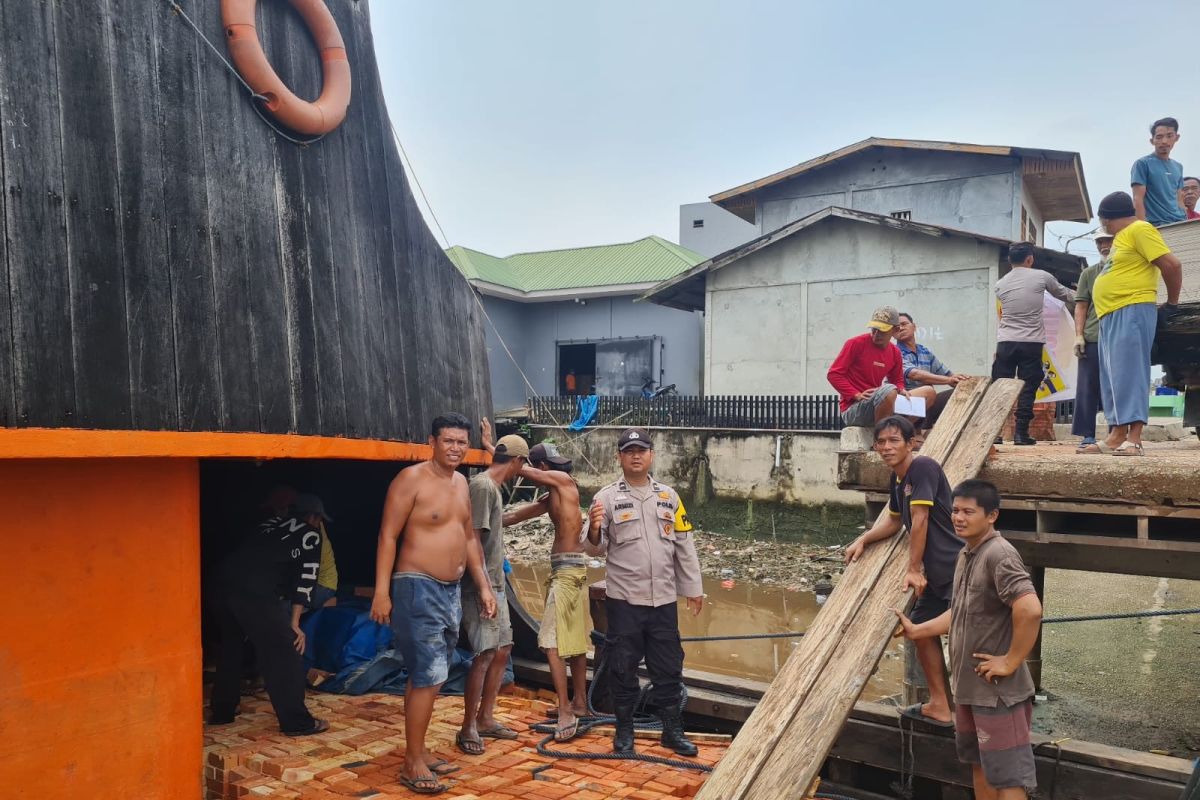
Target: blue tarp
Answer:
[[344, 640], [587, 411]]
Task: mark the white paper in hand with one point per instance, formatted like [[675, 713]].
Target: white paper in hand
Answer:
[[910, 407]]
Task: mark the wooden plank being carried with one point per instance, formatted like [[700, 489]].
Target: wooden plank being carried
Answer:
[[781, 747]]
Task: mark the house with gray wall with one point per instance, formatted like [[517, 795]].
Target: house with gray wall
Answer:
[[778, 309], [574, 312], [921, 225], [997, 190]]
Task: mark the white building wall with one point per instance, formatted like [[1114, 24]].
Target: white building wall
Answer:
[[719, 230], [779, 316]]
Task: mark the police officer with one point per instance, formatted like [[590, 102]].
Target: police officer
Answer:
[[651, 563]]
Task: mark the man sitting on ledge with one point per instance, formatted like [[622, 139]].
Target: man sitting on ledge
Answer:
[[869, 372]]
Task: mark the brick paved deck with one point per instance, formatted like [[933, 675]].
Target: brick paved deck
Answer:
[[361, 755]]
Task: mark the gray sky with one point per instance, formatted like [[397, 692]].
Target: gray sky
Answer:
[[535, 124]]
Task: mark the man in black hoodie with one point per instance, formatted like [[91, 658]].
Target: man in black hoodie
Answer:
[[274, 567]]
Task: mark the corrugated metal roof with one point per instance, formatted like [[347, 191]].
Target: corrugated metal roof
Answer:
[[647, 260]]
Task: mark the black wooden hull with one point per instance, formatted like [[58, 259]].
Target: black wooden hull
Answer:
[[172, 264]]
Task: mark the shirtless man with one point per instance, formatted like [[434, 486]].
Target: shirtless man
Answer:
[[563, 633], [428, 511]]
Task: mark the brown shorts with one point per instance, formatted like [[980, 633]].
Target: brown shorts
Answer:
[[998, 740]]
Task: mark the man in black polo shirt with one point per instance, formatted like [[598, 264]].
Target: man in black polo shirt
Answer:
[[920, 501]]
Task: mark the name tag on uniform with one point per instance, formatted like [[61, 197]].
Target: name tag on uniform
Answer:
[[620, 506]]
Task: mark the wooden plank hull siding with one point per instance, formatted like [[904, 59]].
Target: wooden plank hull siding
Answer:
[[739, 412], [170, 263]]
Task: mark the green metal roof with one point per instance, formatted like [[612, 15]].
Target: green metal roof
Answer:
[[647, 260]]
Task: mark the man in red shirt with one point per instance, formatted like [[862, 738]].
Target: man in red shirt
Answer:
[[1191, 193], [869, 372]]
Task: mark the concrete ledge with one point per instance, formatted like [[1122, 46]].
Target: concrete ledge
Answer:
[[855, 438]]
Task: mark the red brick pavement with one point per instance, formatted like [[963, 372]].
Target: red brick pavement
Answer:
[[362, 752]]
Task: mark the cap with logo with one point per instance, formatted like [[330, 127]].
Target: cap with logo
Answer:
[[512, 445], [548, 453], [307, 505], [884, 319], [635, 437]]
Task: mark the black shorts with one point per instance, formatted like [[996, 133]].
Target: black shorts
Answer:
[[928, 606]]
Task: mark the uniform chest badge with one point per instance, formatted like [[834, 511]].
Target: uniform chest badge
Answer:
[[665, 495], [667, 526], [625, 516]]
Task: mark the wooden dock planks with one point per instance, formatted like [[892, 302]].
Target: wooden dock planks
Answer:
[[780, 749]]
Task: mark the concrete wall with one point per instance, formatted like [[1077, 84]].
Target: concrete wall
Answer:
[[534, 330], [721, 230], [740, 464], [957, 190], [778, 317]]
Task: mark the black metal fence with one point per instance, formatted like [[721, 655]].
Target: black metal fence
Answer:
[[790, 413], [1064, 411]]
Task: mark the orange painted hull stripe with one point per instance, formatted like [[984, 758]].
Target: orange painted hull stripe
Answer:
[[74, 443]]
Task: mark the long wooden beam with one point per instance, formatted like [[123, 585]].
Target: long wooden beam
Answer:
[[783, 744]]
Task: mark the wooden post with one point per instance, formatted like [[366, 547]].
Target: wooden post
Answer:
[[1038, 575]]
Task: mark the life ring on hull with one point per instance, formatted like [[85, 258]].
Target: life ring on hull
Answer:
[[312, 118]]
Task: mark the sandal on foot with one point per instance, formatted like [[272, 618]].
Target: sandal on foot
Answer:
[[443, 767], [914, 712], [499, 732], [430, 785], [319, 726], [1128, 448], [472, 747], [565, 733], [1090, 449]]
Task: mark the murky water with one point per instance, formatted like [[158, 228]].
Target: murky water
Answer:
[[736, 609]]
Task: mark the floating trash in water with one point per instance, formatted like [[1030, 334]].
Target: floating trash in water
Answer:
[[726, 572], [728, 584]]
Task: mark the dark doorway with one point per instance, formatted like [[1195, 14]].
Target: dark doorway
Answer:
[[576, 368]]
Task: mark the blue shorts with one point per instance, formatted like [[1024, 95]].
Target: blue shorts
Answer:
[[425, 616], [928, 606]]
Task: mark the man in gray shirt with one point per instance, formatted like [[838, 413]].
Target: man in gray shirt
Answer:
[[1022, 335]]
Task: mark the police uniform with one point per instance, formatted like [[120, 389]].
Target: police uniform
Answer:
[[651, 563]]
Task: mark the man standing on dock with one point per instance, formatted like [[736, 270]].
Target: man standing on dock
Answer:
[[920, 501], [1021, 336], [993, 626], [651, 563], [428, 512]]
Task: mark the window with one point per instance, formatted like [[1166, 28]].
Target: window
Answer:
[[905, 214], [697, 223]]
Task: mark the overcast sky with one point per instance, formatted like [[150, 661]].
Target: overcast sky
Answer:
[[547, 124]]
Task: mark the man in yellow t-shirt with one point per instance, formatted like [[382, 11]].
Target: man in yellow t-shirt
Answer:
[[1124, 295]]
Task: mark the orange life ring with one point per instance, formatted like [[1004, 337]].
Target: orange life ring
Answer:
[[321, 115]]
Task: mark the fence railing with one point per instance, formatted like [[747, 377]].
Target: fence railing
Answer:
[[1064, 411], [791, 412]]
